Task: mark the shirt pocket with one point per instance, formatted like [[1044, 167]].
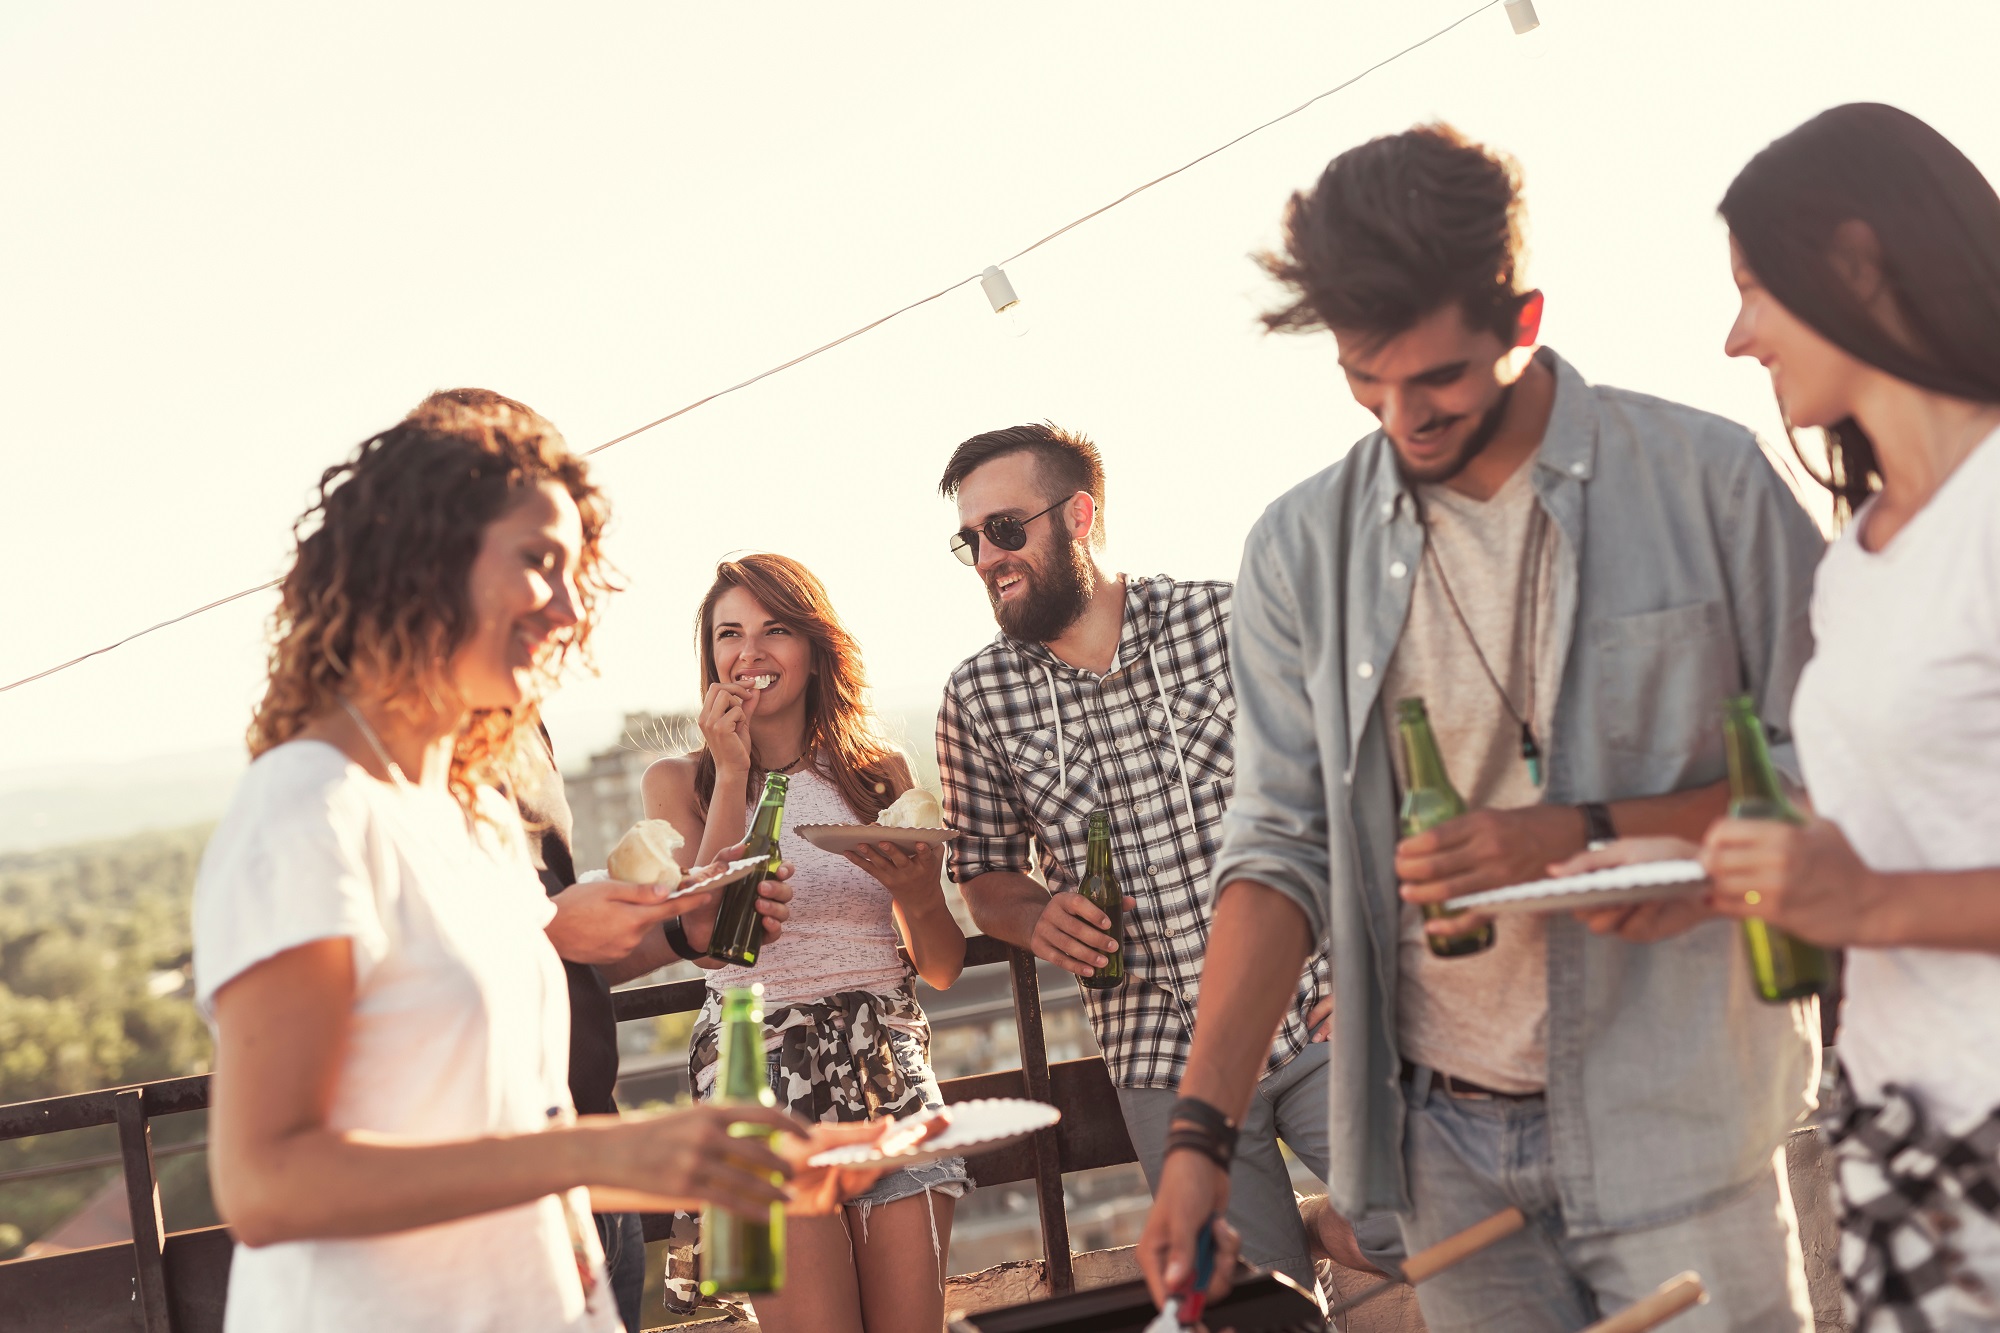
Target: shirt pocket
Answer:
[[1666, 674], [1204, 716], [1056, 784]]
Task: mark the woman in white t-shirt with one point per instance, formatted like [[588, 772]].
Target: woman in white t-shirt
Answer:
[[392, 1139], [1867, 251]]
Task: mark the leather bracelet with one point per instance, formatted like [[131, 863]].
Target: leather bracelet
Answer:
[[1189, 1138], [1211, 1119], [1597, 826], [677, 939]]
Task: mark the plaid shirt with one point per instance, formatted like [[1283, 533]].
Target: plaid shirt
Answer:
[[1008, 778]]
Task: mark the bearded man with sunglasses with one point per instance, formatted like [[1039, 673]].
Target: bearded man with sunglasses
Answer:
[[1107, 692]]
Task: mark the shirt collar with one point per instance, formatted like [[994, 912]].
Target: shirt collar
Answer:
[[1569, 444]]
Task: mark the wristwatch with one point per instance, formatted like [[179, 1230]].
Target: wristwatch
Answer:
[[1597, 826], [677, 939]]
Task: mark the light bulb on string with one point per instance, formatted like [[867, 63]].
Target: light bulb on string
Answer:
[[1531, 38], [1006, 303]]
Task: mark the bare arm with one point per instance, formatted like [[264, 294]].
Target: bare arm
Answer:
[[1811, 882], [1066, 929], [1257, 947], [280, 1173]]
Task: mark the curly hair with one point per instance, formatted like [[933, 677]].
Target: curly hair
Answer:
[[378, 589], [839, 723], [1400, 227]]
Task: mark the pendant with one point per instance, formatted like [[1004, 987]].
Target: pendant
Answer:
[[1531, 753]]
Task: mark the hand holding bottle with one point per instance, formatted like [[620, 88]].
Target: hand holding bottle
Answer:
[[1071, 933], [688, 1156], [1806, 880]]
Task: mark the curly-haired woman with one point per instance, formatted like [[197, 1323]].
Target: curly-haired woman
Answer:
[[393, 1141], [783, 691]]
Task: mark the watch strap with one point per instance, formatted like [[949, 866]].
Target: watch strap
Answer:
[[677, 939], [1597, 825]]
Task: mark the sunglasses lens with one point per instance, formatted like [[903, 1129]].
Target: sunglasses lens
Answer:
[[965, 545], [1006, 533]]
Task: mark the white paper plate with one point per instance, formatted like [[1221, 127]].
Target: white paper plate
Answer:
[[1596, 888], [980, 1125], [842, 838]]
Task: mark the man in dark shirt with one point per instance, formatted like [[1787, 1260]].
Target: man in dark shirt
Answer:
[[606, 932]]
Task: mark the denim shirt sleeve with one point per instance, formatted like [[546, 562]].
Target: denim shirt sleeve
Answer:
[[1275, 831]]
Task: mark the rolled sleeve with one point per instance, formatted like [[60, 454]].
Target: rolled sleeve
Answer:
[[978, 799], [1275, 832]]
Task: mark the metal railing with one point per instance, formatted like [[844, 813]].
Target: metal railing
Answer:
[[176, 1283]]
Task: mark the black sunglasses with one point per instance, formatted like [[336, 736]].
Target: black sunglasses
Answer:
[[1006, 532]]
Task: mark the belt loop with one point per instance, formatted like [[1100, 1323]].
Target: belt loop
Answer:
[[1420, 1084]]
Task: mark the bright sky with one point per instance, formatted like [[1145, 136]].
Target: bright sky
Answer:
[[240, 238]]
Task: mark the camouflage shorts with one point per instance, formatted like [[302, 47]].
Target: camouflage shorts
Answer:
[[852, 1056], [849, 1057]]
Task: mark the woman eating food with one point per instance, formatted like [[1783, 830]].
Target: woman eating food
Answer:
[[845, 1039]]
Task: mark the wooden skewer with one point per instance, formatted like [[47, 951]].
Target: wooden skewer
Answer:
[[1673, 1296], [1432, 1260], [1428, 1263]]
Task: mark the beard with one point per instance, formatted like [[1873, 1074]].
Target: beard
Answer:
[[1475, 445], [1059, 588]]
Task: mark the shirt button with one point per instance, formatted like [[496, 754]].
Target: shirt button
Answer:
[[1389, 509], [1366, 671], [1398, 569], [1152, 870], [1576, 469]]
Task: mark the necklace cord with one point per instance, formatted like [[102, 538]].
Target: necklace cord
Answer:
[[1538, 521]]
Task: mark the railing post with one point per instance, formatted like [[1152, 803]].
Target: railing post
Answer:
[[1048, 1153], [142, 1196]]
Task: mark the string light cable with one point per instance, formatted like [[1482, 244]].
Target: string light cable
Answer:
[[985, 277]]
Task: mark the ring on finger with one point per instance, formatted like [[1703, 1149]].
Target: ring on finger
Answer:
[[1752, 898]]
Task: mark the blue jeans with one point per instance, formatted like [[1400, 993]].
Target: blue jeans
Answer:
[[1290, 1105], [1468, 1157], [624, 1239]]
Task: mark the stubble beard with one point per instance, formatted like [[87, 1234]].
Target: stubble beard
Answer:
[[1475, 445], [1059, 590]]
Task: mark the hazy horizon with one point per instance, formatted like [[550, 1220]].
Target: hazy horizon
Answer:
[[247, 236]]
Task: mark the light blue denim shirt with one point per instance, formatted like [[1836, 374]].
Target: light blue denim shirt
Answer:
[[1688, 566]]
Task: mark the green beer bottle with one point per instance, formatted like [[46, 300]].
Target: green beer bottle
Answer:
[[739, 930], [1429, 800], [1783, 968], [1100, 888], [738, 1254]]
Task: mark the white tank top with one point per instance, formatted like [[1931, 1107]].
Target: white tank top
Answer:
[[842, 932]]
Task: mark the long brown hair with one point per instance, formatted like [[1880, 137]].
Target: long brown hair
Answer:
[[1935, 222], [840, 725], [379, 588]]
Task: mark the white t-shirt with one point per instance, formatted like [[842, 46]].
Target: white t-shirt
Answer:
[[1898, 724], [460, 1028]]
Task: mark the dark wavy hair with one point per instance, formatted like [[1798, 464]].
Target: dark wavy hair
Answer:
[[1397, 229], [1870, 182], [839, 723], [378, 589], [1065, 461]]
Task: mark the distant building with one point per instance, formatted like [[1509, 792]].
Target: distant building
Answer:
[[604, 798]]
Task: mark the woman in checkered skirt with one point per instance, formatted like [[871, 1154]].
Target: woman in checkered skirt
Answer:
[[845, 1038]]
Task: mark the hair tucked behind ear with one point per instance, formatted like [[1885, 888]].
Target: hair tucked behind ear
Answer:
[[1870, 175]]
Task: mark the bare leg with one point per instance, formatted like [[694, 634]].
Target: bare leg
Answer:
[[820, 1294], [902, 1287]]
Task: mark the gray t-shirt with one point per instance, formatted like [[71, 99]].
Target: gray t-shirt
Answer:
[[1482, 1017]]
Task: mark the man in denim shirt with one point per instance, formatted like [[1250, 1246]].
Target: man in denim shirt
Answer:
[[1575, 578]]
